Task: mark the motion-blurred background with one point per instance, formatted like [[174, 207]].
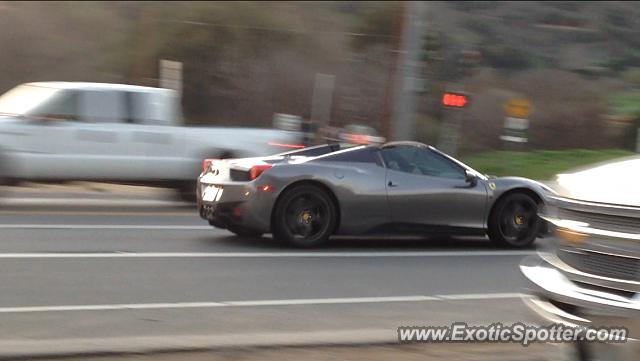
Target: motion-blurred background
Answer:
[[577, 63], [526, 88]]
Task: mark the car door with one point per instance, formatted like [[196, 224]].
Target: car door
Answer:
[[102, 142], [428, 192], [162, 145], [47, 136]]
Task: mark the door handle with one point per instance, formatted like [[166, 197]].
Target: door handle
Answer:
[[391, 184]]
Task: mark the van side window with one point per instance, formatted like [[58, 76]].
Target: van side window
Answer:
[[103, 106], [61, 106], [135, 112]]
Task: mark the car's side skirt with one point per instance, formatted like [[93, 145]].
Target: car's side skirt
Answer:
[[413, 229]]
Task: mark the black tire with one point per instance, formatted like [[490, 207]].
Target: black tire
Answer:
[[582, 352], [305, 216], [4, 179], [514, 221], [186, 191], [244, 232], [226, 155]]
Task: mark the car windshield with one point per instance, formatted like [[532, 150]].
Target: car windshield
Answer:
[[24, 98]]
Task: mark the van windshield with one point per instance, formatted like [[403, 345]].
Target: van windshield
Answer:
[[20, 100]]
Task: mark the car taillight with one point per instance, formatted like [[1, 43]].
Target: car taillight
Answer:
[[206, 163], [256, 170]]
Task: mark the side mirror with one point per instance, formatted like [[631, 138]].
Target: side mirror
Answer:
[[470, 177]]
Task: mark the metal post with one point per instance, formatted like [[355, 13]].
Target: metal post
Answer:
[[171, 75], [387, 112], [449, 138], [322, 100], [405, 99]]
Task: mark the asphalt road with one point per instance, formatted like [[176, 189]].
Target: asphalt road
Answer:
[[74, 268]]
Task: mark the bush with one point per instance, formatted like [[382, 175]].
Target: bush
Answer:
[[559, 18], [506, 57]]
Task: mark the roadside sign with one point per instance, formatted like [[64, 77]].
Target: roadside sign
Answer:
[[171, 75], [518, 108], [516, 123], [520, 124]]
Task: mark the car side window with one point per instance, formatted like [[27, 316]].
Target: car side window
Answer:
[[62, 106], [421, 161]]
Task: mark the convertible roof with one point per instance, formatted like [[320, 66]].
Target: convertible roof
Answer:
[[325, 149]]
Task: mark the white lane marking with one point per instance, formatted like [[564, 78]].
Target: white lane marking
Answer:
[[55, 212], [479, 296], [262, 254], [256, 303], [133, 306], [103, 226], [332, 301], [123, 202]]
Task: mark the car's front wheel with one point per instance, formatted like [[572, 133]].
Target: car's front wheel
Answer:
[[514, 222], [305, 216]]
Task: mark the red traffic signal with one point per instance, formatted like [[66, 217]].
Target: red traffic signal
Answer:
[[455, 100]]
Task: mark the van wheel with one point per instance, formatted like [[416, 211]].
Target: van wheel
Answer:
[[186, 191], [305, 216], [4, 178]]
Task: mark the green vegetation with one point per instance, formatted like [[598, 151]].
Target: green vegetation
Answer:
[[626, 104], [630, 59], [541, 164]]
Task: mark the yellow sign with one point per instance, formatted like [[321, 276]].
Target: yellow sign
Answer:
[[518, 108]]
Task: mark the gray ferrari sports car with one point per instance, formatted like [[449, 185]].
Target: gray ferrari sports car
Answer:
[[305, 196]]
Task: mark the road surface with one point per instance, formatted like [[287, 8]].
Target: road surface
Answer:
[[127, 269]]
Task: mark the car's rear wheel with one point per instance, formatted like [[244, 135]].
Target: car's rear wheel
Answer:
[[244, 232], [514, 222], [305, 216]]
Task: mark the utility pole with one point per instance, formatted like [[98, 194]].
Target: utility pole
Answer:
[[404, 100], [387, 112]]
